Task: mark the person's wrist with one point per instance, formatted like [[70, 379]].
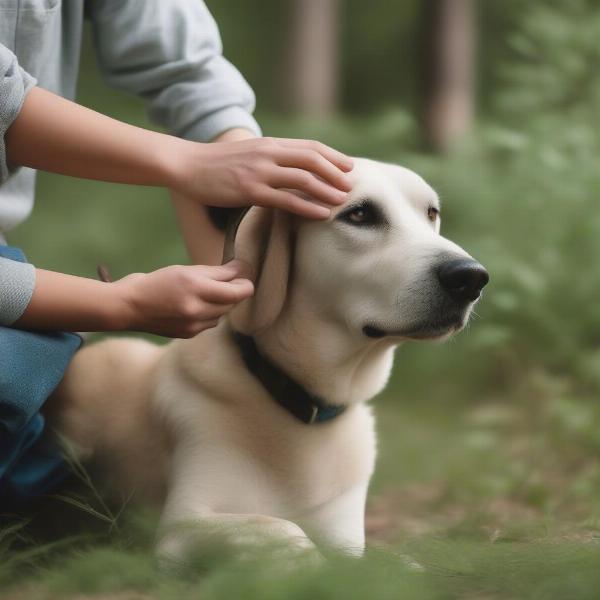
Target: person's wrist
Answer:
[[121, 306], [237, 134], [176, 157]]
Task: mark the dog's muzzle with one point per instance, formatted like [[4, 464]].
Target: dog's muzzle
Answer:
[[459, 283]]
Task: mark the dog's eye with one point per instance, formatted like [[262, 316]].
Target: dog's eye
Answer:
[[432, 213], [363, 214], [359, 215]]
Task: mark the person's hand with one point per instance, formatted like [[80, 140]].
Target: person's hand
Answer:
[[301, 176], [181, 301]]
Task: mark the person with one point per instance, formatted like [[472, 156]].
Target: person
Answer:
[[170, 54]]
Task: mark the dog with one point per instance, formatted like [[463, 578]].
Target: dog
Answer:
[[261, 423]]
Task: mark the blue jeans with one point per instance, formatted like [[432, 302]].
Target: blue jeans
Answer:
[[32, 364]]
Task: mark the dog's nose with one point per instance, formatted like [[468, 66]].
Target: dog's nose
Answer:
[[463, 279]]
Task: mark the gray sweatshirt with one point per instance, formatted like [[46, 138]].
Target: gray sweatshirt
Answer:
[[165, 51]]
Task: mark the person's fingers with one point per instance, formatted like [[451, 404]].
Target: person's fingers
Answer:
[[303, 181], [339, 159], [317, 164], [226, 292], [234, 269], [293, 203], [242, 268]]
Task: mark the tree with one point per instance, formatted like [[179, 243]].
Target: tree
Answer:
[[312, 69], [553, 63], [448, 69]]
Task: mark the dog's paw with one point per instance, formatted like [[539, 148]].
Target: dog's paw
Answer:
[[280, 541], [264, 530], [244, 537]]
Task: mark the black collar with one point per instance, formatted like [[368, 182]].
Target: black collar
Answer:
[[285, 391]]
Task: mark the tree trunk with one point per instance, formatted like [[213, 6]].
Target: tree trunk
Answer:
[[449, 71], [312, 73]]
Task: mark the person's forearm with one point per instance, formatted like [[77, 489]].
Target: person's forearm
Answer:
[[174, 301], [204, 242], [56, 135], [302, 176], [69, 303]]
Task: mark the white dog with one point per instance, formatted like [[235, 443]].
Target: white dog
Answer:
[[261, 424]]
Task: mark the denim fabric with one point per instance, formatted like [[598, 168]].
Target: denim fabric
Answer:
[[32, 364]]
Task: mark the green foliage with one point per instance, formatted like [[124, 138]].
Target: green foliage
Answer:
[[554, 61]]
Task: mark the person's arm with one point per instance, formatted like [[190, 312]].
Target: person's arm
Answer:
[[174, 301], [54, 134], [204, 241]]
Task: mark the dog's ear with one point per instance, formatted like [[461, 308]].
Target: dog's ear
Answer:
[[265, 241]]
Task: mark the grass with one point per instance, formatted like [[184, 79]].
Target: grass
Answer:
[[462, 506], [489, 469]]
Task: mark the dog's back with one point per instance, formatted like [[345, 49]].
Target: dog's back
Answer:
[[102, 409]]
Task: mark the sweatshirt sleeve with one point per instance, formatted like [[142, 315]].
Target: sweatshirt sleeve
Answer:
[[170, 54], [14, 85], [17, 281]]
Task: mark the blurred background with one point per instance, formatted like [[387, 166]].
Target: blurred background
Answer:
[[493, 437]]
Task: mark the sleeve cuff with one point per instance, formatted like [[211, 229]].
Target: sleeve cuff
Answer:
[[17, 282], [220, 121], [29, 81]]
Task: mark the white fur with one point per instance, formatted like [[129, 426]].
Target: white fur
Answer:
[[189, 421]]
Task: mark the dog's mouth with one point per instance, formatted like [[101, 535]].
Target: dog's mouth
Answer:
[[429, 330]]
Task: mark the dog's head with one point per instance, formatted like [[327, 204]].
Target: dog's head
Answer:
[[378, 266]]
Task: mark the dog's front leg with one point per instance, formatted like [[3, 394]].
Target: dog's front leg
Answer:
[[340, 523]]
